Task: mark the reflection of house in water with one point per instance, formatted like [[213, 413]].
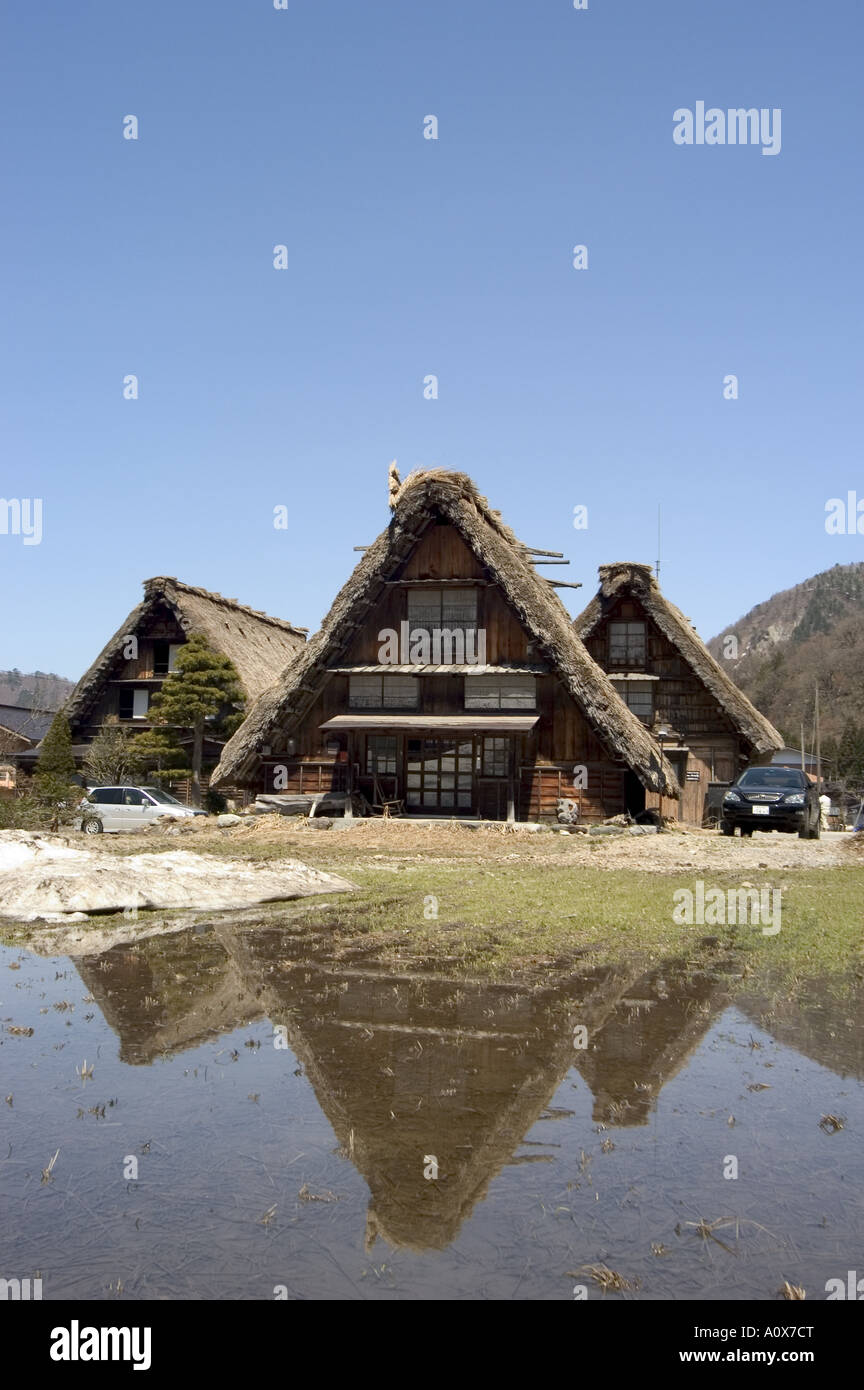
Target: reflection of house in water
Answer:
[[169, 993], [406, 1062], [647, 1037], [823, 1021]]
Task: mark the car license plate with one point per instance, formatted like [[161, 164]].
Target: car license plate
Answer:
[[761, 810]]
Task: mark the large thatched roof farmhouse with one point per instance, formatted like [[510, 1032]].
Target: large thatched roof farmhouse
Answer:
[[134, 662], [448, 679], [672, 683]]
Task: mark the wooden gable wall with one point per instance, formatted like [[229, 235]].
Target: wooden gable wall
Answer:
[[545, 759], [681, 699]]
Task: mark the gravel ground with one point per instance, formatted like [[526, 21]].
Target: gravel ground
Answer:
[[401, 841]]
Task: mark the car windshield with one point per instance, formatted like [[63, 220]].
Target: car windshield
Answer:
[[782, 778], [162, 797]]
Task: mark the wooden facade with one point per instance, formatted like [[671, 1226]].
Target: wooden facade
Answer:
[[126, 692], [134, 664], [409, 758], [700, 739]]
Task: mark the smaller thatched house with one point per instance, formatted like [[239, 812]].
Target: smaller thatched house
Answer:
[[134, 662], [448, 680], [671, 682]]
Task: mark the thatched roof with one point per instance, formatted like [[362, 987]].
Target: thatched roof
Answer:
[[259, 646], [626, 578], [421, 498]]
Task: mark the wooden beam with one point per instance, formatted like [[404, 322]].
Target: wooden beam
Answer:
[[439, 583], [562, 583], [532, 550], [550, 562]]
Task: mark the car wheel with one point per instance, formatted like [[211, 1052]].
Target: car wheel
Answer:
[[92, 826], [726, 828]]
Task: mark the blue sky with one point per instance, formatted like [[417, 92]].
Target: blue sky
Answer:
[[407, 256]]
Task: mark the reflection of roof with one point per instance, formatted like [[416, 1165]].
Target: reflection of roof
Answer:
[[406, 1062]]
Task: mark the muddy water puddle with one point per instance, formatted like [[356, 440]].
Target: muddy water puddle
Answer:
[[233, 1114]]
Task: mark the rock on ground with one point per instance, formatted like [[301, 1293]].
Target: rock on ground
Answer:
[[47, 879]]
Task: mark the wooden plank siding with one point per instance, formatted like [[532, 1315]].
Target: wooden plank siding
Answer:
[[542, 762], [708, 743]]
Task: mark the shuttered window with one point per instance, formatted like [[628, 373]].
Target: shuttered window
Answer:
[[639, 697], [627, 645], [436, 608], [383, 692], [381, 755], [500, 692]]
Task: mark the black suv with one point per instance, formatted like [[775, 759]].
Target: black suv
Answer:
[[772, 798]]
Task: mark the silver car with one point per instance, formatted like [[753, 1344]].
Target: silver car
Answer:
[[115, 809]]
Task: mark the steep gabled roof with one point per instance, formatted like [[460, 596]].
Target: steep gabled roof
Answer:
[[422, 497], [626, 578], [259, 646]]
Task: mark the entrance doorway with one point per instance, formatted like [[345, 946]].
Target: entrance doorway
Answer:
[[439, 775], [634, 794]]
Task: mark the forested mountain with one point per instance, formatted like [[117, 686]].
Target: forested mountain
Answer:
[[778, 651], [34, 689]]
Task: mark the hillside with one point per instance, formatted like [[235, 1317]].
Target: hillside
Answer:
[[34, 689], [815, 629]]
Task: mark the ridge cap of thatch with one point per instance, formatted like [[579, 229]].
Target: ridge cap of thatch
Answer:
[[640, 580], [164, 583], [455, 497]]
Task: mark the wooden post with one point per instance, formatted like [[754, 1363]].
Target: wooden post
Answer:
[[511, 797], [818, 750]]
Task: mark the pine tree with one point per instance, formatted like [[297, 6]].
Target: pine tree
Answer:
[[160, 757], [54, 782], [202, 689]]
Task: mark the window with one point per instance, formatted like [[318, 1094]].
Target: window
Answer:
[[162, 798], [380, 754], [133, 704], [106, 796], [448, 619], [437, 608], [383, 692], [627, 644], [638, 696], [132, 797], [438, 773], [496, 759], [164, 654], [500, 692]]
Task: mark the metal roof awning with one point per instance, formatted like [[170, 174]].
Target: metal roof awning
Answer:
[[435, 723], [631, 676]]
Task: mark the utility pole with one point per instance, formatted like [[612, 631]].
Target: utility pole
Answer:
[[803, 768], [818, 746]]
